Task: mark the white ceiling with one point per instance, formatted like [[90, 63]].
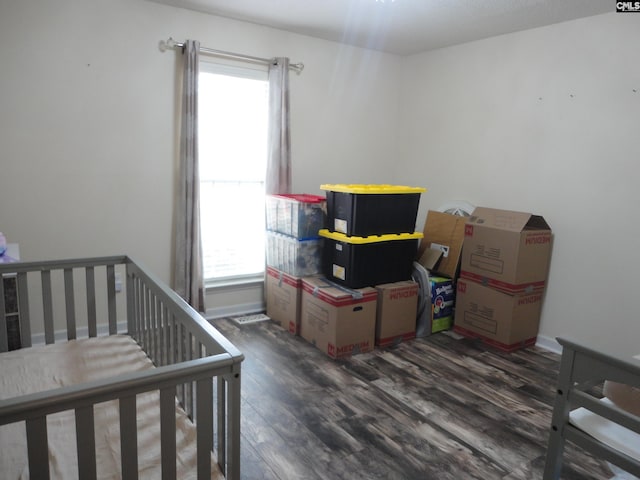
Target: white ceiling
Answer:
[[401, 27]]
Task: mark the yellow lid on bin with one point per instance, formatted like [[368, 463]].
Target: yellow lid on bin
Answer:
[[371, 189], [387, 237]]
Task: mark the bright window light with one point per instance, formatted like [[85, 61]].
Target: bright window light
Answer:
[[232, 130]]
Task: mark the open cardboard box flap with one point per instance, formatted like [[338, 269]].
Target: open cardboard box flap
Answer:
[[441, 246]]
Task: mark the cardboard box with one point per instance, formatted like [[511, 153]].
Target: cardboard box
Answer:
[[508, 251], [505, 321], [443, 297], [441, 246], [396, 312], [284, 299], [339, 321]]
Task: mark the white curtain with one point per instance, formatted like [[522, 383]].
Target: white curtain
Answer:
[[278, 178], [188, 270]]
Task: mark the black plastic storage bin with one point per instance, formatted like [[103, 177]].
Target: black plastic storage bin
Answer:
[[365, 210], [357, 262]]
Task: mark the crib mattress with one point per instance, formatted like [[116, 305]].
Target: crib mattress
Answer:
[[46, 367], [612, 434]]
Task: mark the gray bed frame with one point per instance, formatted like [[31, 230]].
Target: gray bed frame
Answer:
[[194, 362], [581, 369]]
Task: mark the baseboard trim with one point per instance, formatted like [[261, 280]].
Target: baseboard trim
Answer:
[[81, 332], [103, 329], [233, 310], [549, 343]]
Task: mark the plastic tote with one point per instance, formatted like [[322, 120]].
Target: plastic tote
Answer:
[[357, 262], [364, 210]]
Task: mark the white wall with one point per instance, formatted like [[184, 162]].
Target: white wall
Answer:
[[88, 122], [544, 121], [88, 127]]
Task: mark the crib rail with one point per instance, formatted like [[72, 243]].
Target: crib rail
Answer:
[[581, 369], [23, 270], [34, 408], [187, 351]]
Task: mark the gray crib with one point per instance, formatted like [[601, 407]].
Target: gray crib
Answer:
[[581, 369], [193, 362]]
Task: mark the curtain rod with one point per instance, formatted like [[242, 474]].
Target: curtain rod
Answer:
[[171, 43]]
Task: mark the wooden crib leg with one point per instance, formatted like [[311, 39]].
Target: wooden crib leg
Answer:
[[560, 418]]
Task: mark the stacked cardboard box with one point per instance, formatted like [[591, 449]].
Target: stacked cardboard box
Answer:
[[338, 321], [441, 246], [284, 293], [341, 321], [396, 312], [505, 263]]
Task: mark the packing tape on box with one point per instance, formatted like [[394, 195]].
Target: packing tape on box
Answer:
[[355, 294]]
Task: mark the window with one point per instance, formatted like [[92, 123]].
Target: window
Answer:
[[232, 123]]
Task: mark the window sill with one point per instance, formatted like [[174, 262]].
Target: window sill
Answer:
[[234, 283]]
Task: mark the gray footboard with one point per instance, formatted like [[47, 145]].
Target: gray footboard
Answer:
[[194, 362], [581, 369]]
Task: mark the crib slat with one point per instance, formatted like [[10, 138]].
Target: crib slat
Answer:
[[154, 329], [111, 299], [128, 438], [4, 339], [168, 432], [91, 301], [204, 408], [163, 336], [136, 307], [221, 422], [157, 332], [141, 293], [47, 306], [172, 346], [182, 390], [23, 301], [190, 398], [161, 333], [147, 319], [37, 448], [149, 348], [69, 300], [130, 299], [86, 443], [233, 427]]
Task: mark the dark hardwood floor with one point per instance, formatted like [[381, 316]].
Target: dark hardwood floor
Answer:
[[432, 408]]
